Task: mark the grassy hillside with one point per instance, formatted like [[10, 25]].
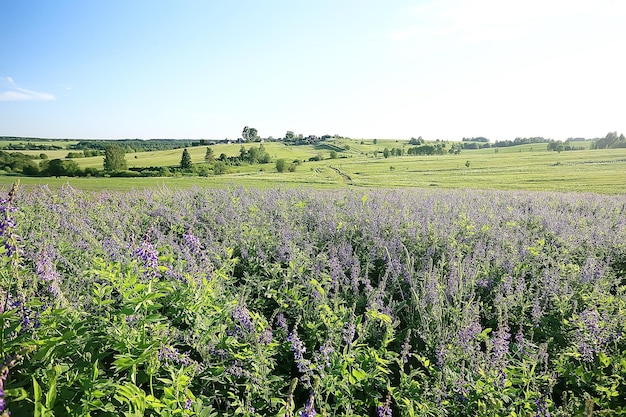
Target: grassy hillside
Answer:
[[360, 163]]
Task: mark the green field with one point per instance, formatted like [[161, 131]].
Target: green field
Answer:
[[527, 167]]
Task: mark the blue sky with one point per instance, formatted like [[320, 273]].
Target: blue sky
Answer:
[[365, 69]]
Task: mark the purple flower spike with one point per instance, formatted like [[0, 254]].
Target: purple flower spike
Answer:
[[309, 407]]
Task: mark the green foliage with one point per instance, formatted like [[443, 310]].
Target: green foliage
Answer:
[[610, 141], [296, 300], [60, 168], [17, 162], [249, 134], [209, 155], [219, 168], [114, 158], [185, 160], [281, 165]]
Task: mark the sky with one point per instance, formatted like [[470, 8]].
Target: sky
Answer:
[[440, 69]]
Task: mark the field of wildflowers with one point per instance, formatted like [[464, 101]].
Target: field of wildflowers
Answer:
[[216, 302]]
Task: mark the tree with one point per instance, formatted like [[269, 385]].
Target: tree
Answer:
[[243, 153], [281, 165], [209, 156], [289, 135], [114, 158], [185, 160], [219, 168], [249, 134], [60, 168], [386, 153]]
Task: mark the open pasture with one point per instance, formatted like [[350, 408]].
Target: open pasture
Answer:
[[227, 301], [526, 167]]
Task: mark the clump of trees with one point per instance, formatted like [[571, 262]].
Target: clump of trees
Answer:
[[559, 146], [475, 145], [133, 145], [18, 162], [252, 155], [250, 134], [610, 141], [520, 141], [282, 165], [393, 152], [480, 139], [435, 149]]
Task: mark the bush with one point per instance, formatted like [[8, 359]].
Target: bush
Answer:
[[126, 174], [281, 165]]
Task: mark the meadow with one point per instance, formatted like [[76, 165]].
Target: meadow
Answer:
[[217, 301], [360, 163]]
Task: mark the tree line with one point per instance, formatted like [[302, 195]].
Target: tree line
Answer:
[[610, 141]]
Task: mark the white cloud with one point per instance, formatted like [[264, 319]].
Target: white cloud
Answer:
[[10, 91]]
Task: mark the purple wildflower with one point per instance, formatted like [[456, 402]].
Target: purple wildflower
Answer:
[[519, 341], [384, 410], [8, 224], [348, 332], [536, 312], [406, 348], [440, 355], [266, 336], [309, 407], [326, 350], [298, 349], [171, 355], [188, 404], [461, 389], [592, 334], [147, 255], [501, 343], [281, 322], [192, 242], [468, 334], [542, 410], [44, 267], [242, 316]]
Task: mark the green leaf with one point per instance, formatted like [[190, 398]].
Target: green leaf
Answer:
[[359, 374], [51, 396], [36, 391], [16, 394]]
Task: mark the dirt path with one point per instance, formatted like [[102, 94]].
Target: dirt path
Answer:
[[345, 177]]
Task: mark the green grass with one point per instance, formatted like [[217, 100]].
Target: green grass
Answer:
[[172, 157], [60, 154], [527, 167]]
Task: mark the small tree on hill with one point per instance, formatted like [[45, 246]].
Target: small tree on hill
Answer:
[[185, 160], [281, 165], [114, 158], [209, 156]]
